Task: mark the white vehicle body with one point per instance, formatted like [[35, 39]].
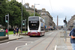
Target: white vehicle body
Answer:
[[36, 26]]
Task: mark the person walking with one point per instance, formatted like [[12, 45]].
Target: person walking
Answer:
[[6, 31], [72, 38], [14, 31], [17, 30]]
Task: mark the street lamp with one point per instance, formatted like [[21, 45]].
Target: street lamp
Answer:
[[34, 8], [21, 16]]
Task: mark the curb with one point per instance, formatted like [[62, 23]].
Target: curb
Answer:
[[3, 41]]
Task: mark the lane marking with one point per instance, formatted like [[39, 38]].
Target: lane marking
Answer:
[[16, 48], [25, 43], [20, 46], [55, 47], [4, 43], [21, 41]]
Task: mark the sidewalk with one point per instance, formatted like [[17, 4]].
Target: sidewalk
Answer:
[[10, 38], [69, 46], [67, 42]]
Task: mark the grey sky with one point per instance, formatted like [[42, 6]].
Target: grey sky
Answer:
[[61, 8]]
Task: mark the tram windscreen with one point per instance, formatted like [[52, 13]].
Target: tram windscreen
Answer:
[[33, 25]]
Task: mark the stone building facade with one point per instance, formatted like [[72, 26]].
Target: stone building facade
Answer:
[[47, 17], [43, 13], [70, 23], [29, 9]]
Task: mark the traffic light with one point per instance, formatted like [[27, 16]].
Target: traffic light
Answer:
[[6, 19], [23, 22], [65, 21]]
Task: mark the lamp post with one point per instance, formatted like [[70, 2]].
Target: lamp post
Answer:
[[65, 34], [34, 8], [7, 21], [21, 16]]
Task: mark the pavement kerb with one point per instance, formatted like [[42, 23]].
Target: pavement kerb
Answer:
[[3, 41], [10, 40]]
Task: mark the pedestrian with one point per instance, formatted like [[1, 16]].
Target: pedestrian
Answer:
[[14, 31], [6, 31], [72, 38], [17, 30]]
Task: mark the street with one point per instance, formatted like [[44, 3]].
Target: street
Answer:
[[48, 42]]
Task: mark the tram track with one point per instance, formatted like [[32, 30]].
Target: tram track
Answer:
[[42, 41], [50, 43]]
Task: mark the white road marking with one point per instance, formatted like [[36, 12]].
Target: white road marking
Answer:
[[16, 48], [20, 46], [68, 47], [20, 41], [55, 47], [7, 42], [25, 43], [4, 43]]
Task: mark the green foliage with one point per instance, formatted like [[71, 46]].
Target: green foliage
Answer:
[[36, 14], [3, 11], [13, 8]]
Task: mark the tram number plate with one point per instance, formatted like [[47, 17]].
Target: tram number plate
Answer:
[[33, 34]]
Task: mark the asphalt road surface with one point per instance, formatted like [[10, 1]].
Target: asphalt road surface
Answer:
[[51, 35]]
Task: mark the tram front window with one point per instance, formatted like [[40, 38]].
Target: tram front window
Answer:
[[33, 25]]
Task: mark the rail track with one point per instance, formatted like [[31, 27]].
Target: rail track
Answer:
[[42, 41]]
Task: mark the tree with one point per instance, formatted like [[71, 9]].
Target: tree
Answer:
[[3, 12], [36, 14], [15, 13]]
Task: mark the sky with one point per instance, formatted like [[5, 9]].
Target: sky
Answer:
[[60, 8]]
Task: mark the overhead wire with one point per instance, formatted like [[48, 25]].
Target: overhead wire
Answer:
[[51, 5]]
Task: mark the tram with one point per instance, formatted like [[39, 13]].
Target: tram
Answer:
[[36, 26]]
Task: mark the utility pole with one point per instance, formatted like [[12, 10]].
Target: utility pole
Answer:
[[34, 9], [65, 34], [21, 16], [25, 26], [41, 13], [7, 21], [57, 22]]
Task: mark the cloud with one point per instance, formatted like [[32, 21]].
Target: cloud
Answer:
[[61, 8]]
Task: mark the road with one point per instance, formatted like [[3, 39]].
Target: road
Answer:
[[47, 42]]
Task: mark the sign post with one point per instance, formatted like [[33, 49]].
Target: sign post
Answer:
[[7, 21], [25, 26], [24, 23], [65, 34]]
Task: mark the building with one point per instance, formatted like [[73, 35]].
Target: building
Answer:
[[70, 23], [43, 13], [48, 18], [30, 9]]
